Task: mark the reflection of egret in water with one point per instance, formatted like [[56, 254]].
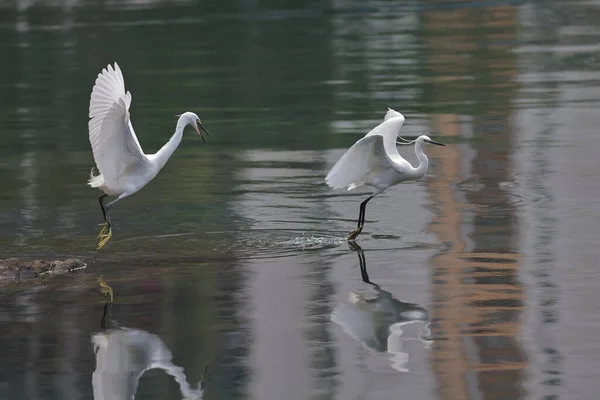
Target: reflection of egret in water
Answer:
[[378, 323], [122, 357]]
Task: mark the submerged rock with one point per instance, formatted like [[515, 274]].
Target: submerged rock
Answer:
[[16, 270]]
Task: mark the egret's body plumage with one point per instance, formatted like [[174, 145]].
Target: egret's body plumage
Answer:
[[123, 166], [375, 161]]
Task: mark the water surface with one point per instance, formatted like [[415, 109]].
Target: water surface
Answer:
[[483, 275]]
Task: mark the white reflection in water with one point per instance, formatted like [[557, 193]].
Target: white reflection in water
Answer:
[[379, 323], [122, 357]]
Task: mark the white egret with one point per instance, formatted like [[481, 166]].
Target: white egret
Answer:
[[123, 166], [374, 161]]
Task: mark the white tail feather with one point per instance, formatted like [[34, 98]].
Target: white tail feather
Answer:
[[95, 180]]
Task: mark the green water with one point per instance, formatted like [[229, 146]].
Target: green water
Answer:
[[235, 256]]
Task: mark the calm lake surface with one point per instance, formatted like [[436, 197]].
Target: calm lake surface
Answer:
[[486, 283]]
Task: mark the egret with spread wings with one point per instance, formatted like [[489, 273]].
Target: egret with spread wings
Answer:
[[374, 161], [123, 166]]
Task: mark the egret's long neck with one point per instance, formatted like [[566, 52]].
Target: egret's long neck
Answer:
[[423, 160], [163, 155]]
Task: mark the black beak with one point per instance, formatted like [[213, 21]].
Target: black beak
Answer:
[[434, 142], [204, 129]]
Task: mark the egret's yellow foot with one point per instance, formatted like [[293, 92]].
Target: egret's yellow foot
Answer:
[[355, 233], [104, 229], [104, 239]]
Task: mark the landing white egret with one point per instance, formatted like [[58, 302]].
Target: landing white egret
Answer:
[[123, 166], [374, 161]]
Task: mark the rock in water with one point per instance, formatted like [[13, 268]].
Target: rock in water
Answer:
[[15, 270]]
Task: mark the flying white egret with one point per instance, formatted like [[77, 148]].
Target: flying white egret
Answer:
[[123, 166], [374, 161]]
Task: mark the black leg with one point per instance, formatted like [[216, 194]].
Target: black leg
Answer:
[[106, 232], [101, 201], [107, 215], [361, 219], [360, 213], [105, 210], [363, 209]]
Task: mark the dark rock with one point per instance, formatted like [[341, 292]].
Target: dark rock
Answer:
[[15, 270]]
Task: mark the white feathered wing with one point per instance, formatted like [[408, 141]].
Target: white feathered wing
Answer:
[[357, 163], [373, 153], [114, 144]]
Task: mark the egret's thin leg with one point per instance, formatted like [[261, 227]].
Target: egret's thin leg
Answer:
[[361, 215], [105, 224], [101, 201], [109, 205], [361, 218], [108, 216], [105, 237]]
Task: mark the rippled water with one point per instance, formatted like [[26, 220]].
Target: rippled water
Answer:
[[479, 281]]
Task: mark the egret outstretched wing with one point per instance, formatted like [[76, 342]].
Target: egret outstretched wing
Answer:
[[358, 162], [389, 129], [392, 114], [113, 140], [374, 153]]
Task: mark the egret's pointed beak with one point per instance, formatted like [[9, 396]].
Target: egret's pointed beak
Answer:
[[204, 129], [434, 142], [200, 133]]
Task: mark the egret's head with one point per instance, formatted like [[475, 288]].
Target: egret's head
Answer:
[[189, 118], [427, 139]]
